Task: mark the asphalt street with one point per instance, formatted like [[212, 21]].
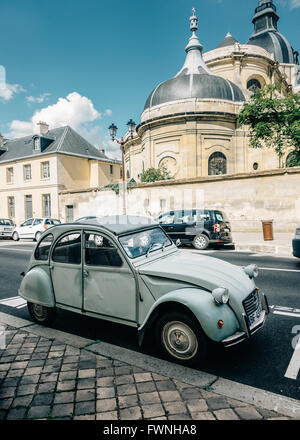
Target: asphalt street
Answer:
[[261, 362]]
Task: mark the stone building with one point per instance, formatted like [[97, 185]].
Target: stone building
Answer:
[[190, 122], [34, 169]]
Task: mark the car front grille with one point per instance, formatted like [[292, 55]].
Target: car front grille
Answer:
[[252, 306]]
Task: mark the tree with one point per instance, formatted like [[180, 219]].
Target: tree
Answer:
[[155, 174], [293, 159], [274, 120]]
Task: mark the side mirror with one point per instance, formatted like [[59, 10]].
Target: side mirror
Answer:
[[178, 242]]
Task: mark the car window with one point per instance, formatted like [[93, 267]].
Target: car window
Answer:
[[202, 216], [43, 249], [51, 221], [28, 222], [37, 221], [6, 222], [140, 243], [166, 219], [100, 251], [68, 249], [220, 216]]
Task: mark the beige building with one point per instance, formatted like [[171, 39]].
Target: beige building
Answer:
[[190, 122], [34, 169]]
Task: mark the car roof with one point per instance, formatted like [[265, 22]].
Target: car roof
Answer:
[[120, 224]]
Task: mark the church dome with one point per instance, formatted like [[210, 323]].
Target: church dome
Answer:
[[267, 36], [194, 80]]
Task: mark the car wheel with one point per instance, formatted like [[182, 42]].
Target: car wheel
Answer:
[[41, 314], [201, 242], [37, 236], [181, 339], [15, 236]]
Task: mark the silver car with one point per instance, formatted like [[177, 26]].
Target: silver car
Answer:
[[296, 243], [127, 270], [6, 227]]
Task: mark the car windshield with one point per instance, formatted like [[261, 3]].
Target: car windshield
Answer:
[[6, 222], [144, 242]]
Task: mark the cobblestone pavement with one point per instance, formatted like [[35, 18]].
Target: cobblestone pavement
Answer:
[[42, 378]]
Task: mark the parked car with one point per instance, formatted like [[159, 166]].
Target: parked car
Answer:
[[6, 227], [33, 228], [296, 243], [131, 272], [199, 227]]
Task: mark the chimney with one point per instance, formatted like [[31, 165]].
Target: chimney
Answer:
[[102, 151], [43, 128]]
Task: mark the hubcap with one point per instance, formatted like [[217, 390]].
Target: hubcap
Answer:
[[39, 311], [201, 242], [180, 340]]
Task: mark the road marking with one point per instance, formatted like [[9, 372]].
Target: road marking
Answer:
[[294, 365], [285, 311], [16, 302], [15, 250], [280, 270]]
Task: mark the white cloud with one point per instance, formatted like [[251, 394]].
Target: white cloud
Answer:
[[294, 4], [76, 111], [108, 112], [38, 99], [8, 91]]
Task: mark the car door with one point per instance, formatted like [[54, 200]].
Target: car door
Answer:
[[66, 270], [166, 221], [26, 228], [108, 282], [37, 226]]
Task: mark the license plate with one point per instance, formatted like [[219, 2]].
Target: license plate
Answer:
[[226, 230], [7, 229]]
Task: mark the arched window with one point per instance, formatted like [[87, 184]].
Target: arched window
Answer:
[[253, 85], [217, 164], [293, 159]]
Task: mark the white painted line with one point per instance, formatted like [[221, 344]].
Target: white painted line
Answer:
[[294, 365], [294, 315], [14, 250], [16, 302], [279, 270]]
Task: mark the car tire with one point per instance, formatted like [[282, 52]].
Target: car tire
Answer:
[[41, 314], [201, 242], [37, 236], [15, 236], [191, 346]]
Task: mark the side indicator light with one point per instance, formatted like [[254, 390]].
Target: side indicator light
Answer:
[[220, 323]]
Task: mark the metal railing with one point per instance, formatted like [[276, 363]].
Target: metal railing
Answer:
[[265, 6]]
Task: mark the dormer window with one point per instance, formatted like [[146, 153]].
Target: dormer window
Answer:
[[36, 144]]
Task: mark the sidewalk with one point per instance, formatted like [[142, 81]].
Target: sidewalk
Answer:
[[254, 242], [61, 376]]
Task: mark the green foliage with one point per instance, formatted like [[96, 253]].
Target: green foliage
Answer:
[[274, 121], [116, 187], [155, 174]]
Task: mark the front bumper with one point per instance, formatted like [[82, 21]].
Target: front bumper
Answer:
[[5, 234], [296, 247], [240, 336]]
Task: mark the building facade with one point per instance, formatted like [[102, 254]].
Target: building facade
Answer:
[[34, 169], [190, 122]]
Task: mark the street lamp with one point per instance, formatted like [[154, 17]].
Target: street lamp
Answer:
[[113, 132]]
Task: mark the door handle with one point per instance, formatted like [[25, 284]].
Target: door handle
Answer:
[[85, 273]]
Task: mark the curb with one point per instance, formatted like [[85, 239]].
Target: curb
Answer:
[[247, 394], [282, 251]]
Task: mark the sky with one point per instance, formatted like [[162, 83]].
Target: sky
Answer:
[[93, 62]]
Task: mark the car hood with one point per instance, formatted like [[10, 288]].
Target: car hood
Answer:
[[201, 271]]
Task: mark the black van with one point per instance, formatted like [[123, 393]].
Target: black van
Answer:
[[196, 226]]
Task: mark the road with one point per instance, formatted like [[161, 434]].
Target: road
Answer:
[[267, 361]]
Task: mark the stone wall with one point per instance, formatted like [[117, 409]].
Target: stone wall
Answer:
[[246, 198]]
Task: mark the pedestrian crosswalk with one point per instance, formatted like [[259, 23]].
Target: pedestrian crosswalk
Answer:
[[17, 302]]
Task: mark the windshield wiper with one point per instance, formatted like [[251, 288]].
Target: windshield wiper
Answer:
[[149, 249], [164, 244]]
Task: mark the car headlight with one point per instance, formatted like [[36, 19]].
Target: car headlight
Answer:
[[251, 270], [221, 295]]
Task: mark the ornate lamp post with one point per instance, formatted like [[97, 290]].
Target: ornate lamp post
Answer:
[[113, 131]]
